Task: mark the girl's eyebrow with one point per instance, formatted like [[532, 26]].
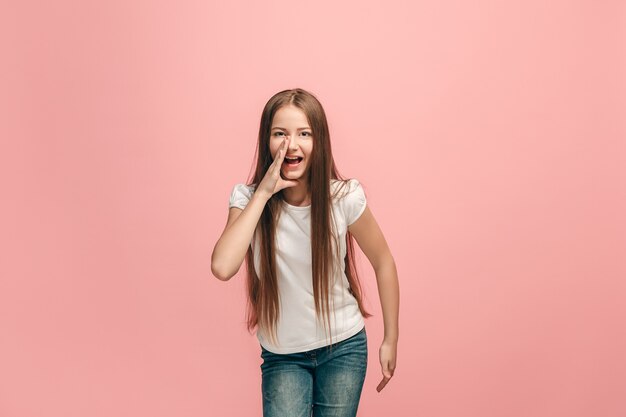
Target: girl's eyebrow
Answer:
[[300, 128]]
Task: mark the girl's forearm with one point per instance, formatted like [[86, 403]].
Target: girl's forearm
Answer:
[[389, 292]]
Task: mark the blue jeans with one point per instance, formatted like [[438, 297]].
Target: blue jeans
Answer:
[[322, 382]]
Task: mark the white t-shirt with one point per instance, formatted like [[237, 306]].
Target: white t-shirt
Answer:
[[297, 329]]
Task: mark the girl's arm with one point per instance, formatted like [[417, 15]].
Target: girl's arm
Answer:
[[230, 249], [372, 242]]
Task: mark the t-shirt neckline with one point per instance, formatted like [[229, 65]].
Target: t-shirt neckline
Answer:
[[292, 207]]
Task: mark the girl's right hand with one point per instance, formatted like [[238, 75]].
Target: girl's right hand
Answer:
[[272, 182]]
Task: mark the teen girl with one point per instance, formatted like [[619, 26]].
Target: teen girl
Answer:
[[294, 224]]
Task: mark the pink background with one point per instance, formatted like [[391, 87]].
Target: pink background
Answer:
[[489, 137]]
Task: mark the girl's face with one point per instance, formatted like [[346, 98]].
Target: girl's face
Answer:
[[291, 121]]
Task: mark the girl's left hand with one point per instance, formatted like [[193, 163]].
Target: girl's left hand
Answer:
[[387, 353]]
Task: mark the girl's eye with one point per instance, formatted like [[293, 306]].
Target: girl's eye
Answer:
[[278, 133], [306, 133]]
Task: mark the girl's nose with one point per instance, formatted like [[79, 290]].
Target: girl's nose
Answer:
[[293, 142]]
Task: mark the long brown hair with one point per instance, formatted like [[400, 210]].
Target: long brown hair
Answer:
[[263, 301]]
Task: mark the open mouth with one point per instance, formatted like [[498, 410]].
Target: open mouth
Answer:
[[292, 162]]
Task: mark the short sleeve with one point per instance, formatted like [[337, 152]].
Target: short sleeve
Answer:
[[240, 196], [354, 201]]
